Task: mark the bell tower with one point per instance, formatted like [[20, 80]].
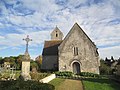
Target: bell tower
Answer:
[[56, 34]]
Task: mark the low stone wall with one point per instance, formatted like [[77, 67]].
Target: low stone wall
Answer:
[[48, 79]]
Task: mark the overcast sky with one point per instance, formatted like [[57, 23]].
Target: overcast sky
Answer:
[[100, 19]]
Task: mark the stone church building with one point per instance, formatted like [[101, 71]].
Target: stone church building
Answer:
[[75, 53]]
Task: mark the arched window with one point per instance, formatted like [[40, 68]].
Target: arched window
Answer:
[[56, 35], [75, 51]]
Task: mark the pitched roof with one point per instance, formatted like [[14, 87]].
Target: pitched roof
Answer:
[[72, 29], [51, 47], [56, 29], [57, 32]]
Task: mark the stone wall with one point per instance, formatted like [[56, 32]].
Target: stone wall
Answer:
[[56, 34], [48, 79], [26, 70], [87, 56], [49, 63], [26, 67]]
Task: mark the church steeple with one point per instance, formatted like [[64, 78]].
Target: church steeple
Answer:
[[56, 34]]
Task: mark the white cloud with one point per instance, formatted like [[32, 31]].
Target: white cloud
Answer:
[[1, 37], [16, 39], [110, 51], [93, 18]]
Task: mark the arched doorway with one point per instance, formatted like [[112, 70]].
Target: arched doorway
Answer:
[[76, 68]]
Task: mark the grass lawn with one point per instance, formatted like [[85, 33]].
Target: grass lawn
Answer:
[[89, 84], [7, 74], [17, 74], [100, 84], [66, 84], [56, 82]]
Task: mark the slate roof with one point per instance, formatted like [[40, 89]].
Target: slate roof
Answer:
[[51, 47]]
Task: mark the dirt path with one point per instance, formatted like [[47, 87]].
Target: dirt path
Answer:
[[70, 85]]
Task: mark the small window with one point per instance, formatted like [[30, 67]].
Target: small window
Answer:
[[75, 51], [56, 35]]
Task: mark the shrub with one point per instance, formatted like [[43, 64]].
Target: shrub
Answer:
[[116, 78], [105, 69], [88, 74], [24, 85], [38, 76], [5, 76], [66, 74]]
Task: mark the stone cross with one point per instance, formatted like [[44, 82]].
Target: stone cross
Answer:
[[27, 41], [26, 62]]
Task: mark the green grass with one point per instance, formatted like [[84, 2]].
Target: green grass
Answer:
[[17, 74], [100, 84], [7, 74], [66, 84], [57, 81], [35, 76], [38, 76]]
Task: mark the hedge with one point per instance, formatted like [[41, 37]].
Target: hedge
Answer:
[[88, 74], [66, 74], [25, 85], [38, 76]]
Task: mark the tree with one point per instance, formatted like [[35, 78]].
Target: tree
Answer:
[[33, 66], [19, 61], [6, 59], [104, 68], [112, 58], [39, 59], [1, 60], [10, 59], [106, 59], [39, 62], [119, 59]]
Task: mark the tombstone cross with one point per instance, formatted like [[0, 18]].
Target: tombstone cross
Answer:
[[27, 41]]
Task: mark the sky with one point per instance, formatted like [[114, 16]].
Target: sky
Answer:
[[100, 19]]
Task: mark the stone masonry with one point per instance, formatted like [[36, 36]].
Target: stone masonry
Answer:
[[75, 53]]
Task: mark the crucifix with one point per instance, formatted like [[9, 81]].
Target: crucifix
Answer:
[[27, 41], [26, 62]]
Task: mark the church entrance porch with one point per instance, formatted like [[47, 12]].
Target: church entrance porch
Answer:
[[76, 68]]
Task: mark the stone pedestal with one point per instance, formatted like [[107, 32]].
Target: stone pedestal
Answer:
[[26, 67]]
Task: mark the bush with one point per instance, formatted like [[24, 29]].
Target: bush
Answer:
[[88, 74], [105, 69], [24, 85], [116, 78], [5, 76], [38, 76], [66, 74]]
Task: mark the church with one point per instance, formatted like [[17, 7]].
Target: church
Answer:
[[75, 53]]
